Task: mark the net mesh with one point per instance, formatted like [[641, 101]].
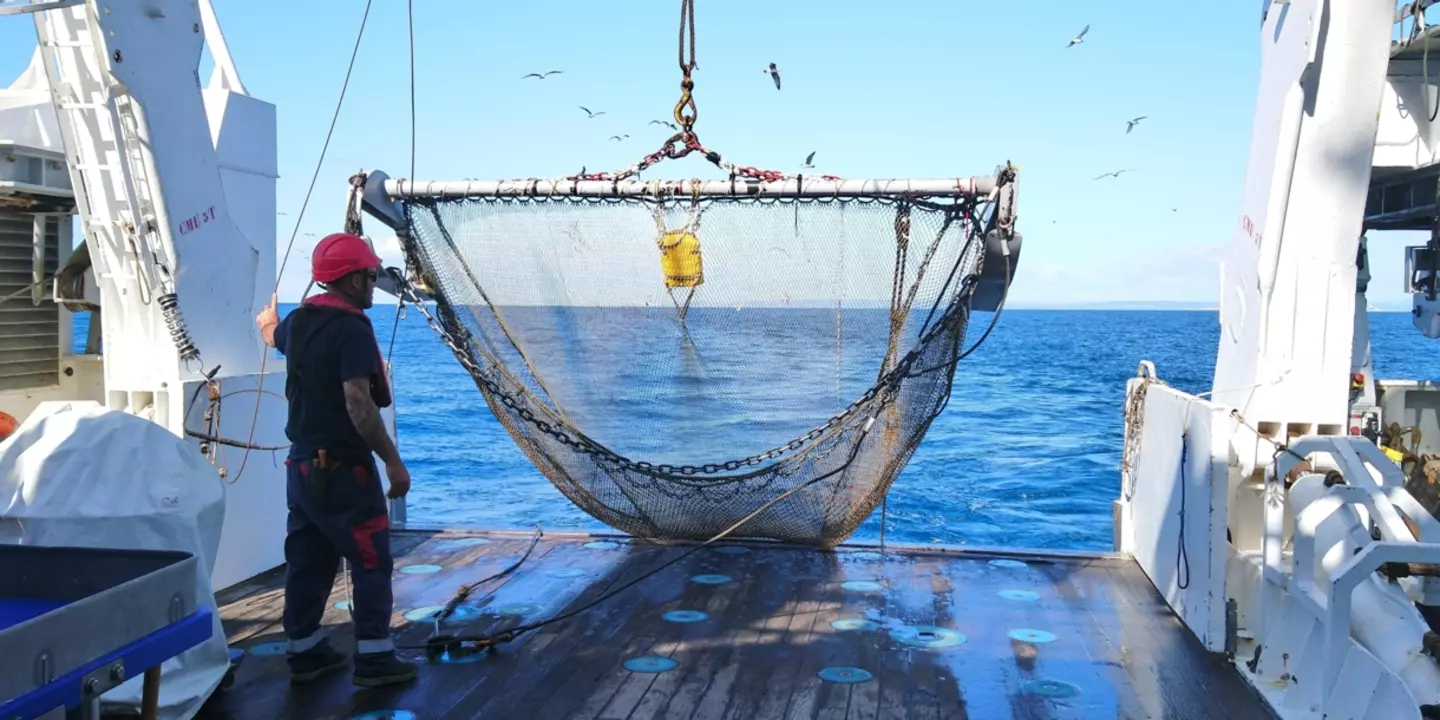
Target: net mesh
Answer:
[[673, 365]]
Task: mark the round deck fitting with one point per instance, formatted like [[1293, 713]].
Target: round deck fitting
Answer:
[[419, 569], [650, 664], [1002, 563], [710, 579], [733, 550], [849, 624], [601, 545], [428, 613], [685, 616], [1025, 595], [862, 586], [437, 646], [566, 573], [343, 605], [386, 715], [844, 675], [1034, 637], [1050, 688], [927, 636], [469, 541], [459, 656], [864, 555], [519, 609], [269, 649]]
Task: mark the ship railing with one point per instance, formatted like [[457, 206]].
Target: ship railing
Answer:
[[1385, 499], [1412, 17]]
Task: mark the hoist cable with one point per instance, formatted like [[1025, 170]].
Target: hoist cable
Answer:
[[280, 274]]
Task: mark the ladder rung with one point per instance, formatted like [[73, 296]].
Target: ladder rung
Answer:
[[83, 106], [66, 43]]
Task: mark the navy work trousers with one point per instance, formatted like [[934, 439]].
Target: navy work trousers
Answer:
[[342, 515]]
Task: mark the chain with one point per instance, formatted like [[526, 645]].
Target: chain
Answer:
[[685, 142], [884, 391], [686, 121], [1134, 425]]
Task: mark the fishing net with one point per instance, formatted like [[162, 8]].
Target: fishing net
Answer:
[[676, 363]]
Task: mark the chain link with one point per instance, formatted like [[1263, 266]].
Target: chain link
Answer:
[[591, 448], [685, 120]]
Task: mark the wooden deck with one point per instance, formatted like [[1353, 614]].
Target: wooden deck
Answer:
[[767, 634]]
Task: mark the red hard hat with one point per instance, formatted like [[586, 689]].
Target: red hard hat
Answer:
[[340, 254]]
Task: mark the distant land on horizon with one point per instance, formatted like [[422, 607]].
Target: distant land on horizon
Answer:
[[1119, 305], [1179, 305], [1151, 305]]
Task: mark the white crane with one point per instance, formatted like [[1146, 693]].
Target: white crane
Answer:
[[1280, 563], [174, 189]]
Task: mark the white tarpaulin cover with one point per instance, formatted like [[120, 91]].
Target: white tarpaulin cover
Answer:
[[81, 475]]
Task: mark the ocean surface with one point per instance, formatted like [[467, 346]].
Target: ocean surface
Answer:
[[1026, 454]]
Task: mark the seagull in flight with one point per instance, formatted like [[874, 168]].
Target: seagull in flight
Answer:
[[542, 76], [774, 72], [591, 114], [1114, 174], [809, 160], [670, 125], [618, 137], [1130, 124], [1079, 38]]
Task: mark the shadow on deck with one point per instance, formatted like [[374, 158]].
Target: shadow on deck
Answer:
[[935, 630]]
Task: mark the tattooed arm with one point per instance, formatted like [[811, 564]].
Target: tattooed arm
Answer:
[[366, 417]]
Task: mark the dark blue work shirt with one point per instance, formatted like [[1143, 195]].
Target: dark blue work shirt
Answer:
[[341, 349]]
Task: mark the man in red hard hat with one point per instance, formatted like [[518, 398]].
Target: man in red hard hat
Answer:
[[336, 385]]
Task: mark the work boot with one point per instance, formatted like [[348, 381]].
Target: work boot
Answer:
[[382, 668], [311, 664]]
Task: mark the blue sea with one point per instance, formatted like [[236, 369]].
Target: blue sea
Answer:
[[1026, 454]]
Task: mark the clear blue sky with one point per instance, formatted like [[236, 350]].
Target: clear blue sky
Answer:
[[932, 88]]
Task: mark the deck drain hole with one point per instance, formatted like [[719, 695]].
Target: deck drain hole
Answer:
[[862, 586], [269, 649], [519, 609], [685, 616], [386, 715], [469, 542], [1050, 688], [601, 545], [854, 624], [566, 573], [1007, 564], [1025, 595], [1032, 636], [650, 664], [428, 613], [419, 569], [844, 675], [927, 636], [711, 579], [343, 605]]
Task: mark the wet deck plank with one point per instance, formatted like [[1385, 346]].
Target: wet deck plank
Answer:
[[767, 633]]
